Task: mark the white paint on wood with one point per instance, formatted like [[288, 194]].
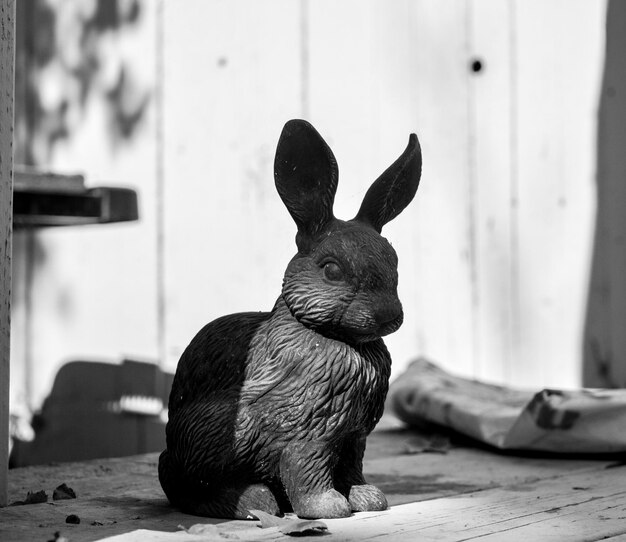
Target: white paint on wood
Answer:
[[490, 140], [21, 373], [444, 247], [7, 33], [558, 82]]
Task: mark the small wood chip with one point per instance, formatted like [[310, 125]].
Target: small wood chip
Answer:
[[202, 528], [211, 531], [268, 520], [436, 444], [63, 492], [58, 538], [304, 527], [33, 497]]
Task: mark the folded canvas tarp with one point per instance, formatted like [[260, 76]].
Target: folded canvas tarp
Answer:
[[566, 421]]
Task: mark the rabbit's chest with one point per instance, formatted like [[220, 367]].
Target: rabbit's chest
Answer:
[[321, 388], [358, 389]]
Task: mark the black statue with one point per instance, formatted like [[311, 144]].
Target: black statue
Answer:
[[270, 410]]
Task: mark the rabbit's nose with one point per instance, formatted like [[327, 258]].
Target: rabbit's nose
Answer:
[[389, 313]]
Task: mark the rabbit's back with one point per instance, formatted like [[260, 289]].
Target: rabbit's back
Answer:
[[215, 359]]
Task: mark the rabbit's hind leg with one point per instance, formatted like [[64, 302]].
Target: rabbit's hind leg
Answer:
[[235, 502], [202, 498]]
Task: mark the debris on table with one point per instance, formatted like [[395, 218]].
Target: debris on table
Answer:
[[58, 538], [290, 526], [434, 444], [63, 492], [33, 497]]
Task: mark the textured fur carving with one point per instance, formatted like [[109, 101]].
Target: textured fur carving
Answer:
[[270, 410]]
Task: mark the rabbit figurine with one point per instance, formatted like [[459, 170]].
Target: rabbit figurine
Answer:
[[270, 410]]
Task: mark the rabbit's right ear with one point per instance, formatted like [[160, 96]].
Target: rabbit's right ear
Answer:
[[394, 189], [305, 173]]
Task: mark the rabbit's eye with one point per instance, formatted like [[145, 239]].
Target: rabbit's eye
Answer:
[[332, 271]]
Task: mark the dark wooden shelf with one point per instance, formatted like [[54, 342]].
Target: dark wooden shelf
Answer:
[[42, 199]]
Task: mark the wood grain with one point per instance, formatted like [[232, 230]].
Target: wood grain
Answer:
[[7, 25], [548, 510]]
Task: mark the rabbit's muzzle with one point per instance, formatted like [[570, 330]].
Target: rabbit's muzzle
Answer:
[[364, 323], [389, 319]]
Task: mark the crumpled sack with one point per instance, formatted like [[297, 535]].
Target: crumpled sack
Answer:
[[565, 421]]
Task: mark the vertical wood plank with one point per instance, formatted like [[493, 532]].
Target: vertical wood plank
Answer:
[[559, 52], [490, 142], [7, 28]]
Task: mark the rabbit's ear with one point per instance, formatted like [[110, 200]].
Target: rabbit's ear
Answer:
[[305, 172], [394, 189]]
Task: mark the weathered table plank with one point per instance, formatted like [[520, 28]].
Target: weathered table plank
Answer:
[[464, 493], [588, 505]]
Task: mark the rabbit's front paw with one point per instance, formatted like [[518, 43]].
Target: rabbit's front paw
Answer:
[[328, 504], [367, 498]]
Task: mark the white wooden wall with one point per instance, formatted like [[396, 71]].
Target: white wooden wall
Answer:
[[494, 252]]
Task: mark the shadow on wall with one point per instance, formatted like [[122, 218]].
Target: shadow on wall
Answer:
[[63, 56], [604, 348], [99, 410], [69, 56]]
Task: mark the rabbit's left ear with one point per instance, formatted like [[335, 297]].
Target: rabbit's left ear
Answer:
[[394, 189], [305, 173]]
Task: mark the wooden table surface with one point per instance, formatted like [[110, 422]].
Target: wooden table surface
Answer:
[[456, 492]]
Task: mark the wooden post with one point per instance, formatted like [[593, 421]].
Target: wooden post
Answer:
[[604, 364], [7, 62]]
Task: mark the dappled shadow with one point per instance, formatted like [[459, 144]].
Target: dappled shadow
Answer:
[[64, 55]]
